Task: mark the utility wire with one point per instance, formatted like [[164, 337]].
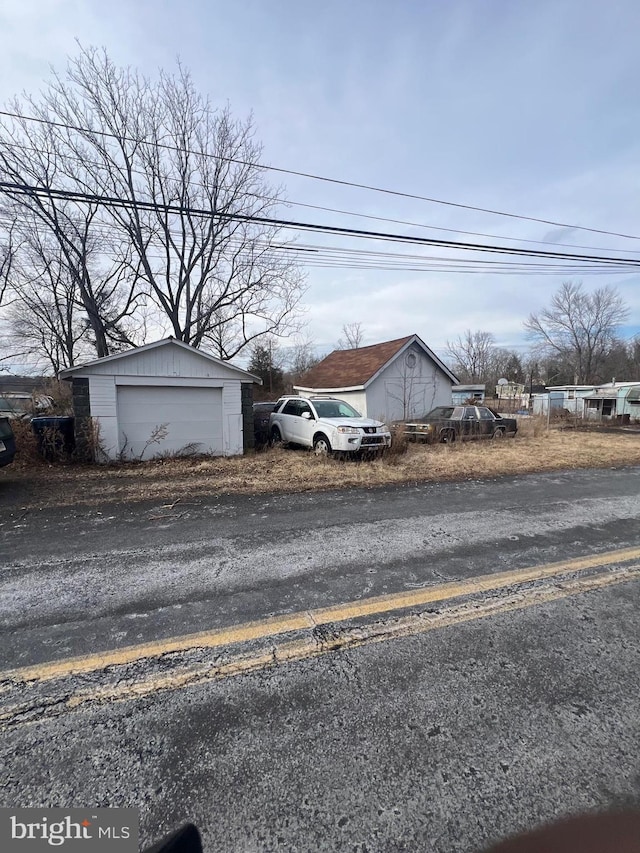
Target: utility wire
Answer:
[[311, 176], [111, 201], [290, 203], [350, 258], [313, 251]]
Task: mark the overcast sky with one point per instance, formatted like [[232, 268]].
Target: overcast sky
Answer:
[[530, 108]]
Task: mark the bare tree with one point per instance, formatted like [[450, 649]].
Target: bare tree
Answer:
[[471, 355], [301, 358], [579, 328], [44, 316], [187, 190], [8, 250], [353, 336], [32, 156]]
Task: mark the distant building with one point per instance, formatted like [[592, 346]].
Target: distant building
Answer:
[[461, 393], [569, 398], [510, 391], [613, 401]]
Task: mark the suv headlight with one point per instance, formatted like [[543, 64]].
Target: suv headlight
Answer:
[[349, 430]]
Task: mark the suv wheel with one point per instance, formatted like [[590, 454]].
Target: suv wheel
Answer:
[[321, 445], [275, 439], [499, 433], [447, 436]]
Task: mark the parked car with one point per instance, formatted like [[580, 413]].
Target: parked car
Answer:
[[458, 423], [7, 442], [261, 412], [327, 426]]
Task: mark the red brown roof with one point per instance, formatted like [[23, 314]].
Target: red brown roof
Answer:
[[345, 368]]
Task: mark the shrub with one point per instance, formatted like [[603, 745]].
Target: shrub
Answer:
[[26, 443]]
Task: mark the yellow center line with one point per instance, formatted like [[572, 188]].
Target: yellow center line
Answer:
[[309, 619], [309, 648]]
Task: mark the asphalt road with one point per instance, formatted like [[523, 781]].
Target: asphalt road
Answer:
[[471, 711]]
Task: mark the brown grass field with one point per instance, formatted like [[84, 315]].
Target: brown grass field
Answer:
[[34, 483]]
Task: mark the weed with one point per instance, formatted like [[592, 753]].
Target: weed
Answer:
[[399, 447], [27, 453]]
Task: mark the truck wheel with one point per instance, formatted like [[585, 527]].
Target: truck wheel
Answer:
[[447, 436], [321, 445], [275, 439]]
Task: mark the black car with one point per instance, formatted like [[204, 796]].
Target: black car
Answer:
[[261, 412], [7, 442], [459, 423]]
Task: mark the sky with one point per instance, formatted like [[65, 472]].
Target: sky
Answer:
[[528, 108]]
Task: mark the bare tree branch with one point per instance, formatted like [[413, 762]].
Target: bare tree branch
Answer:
[[471, 355], [353, 336], [171, 147], [579, 328]]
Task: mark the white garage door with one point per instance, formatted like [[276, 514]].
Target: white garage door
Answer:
[[181, 418]]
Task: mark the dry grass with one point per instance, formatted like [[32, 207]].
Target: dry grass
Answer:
[[278, 470], [27, 457]]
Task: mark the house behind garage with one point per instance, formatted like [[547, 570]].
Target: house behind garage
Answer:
[[389, 381], [163, 398]]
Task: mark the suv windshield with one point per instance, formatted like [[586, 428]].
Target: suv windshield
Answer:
[[5, 428], [334, 409]]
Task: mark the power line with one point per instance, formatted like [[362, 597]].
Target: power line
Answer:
[[311, 176], [350, 258], [110, 201], [314, 251], [289, 202]]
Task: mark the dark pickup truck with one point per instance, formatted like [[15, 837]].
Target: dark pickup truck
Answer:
[[459, 423]]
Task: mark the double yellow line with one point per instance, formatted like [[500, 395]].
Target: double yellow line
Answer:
[[310, 620]]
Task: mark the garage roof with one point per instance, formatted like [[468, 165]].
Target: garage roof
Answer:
[[70, 372], [354, 368]]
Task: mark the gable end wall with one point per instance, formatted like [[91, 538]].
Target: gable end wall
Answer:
[[401, 392]]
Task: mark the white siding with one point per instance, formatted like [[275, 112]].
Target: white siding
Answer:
[[357, 399], [168, 360], [102, 399], [232, 418], [402, 391]]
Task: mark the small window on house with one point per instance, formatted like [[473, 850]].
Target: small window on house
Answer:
[[571, 394]]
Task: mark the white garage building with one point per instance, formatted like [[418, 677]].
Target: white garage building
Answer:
[[165, 397]]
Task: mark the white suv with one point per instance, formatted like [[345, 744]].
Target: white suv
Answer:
[[326, 425]]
